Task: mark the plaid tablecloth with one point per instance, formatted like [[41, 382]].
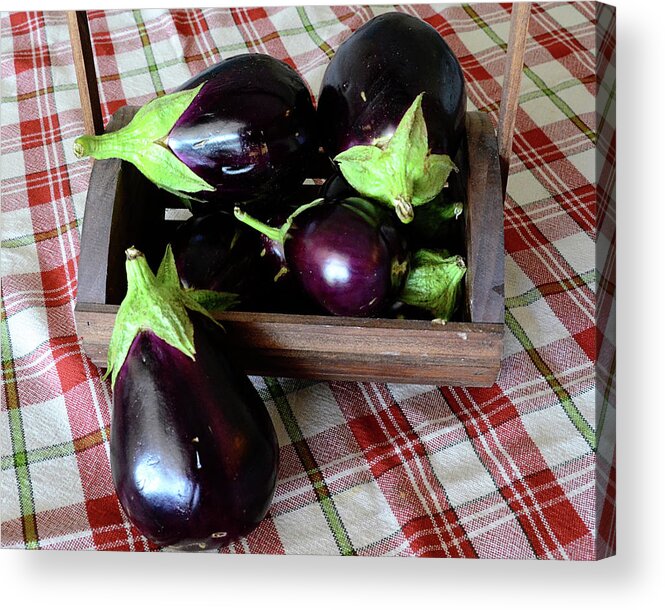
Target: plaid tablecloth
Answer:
[[524, 469]]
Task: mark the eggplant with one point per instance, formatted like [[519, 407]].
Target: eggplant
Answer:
[[336, 187], [347, 255], [376, 74], [194, 453], [238, 133], [215, 252], [391, 111]]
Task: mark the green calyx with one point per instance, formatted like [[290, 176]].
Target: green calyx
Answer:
[[398, 171], [436, 220], [159, 304], [434, 282], [142, 143]]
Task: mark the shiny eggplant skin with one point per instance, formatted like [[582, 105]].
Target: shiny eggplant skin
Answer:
[[250, 132], [194, 453], [336, 187], [377, 73], [348, 256]]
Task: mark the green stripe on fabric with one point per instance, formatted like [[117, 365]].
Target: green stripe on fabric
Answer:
[[309, 463], [26, 240], [20, 458], [551, 94], [531, 296], [607, 109], [149, 55], [564, 397], [309, 28], [64, 449], [40, 455], [606, 396]]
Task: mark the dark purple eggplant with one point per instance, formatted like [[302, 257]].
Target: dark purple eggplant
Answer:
[[336, 187], [391, 111], [347, 255], [194, 453], [241, 131], [376, 74], [216, 252]]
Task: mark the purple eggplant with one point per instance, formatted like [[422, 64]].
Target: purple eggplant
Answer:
[[376, 74], [216, 252], [239, 132], [194, 453], [347, 255], [391, 111]]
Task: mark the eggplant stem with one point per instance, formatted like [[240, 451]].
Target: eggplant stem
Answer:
[[132, 253], [272, 233], [404, 210]]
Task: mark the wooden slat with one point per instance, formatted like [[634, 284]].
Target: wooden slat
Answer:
[[484, 223], [519, 25], [86, 75], [322, 347]]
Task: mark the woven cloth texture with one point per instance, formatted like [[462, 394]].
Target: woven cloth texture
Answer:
[[521, 470]]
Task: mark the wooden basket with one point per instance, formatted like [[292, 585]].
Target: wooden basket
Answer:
[[124, 209]]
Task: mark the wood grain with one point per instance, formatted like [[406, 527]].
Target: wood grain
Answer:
[[86, 75], [322, 347], [484, 223], [519, 26]]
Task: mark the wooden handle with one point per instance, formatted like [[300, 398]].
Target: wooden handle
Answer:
[[519, 25], [84, 63]]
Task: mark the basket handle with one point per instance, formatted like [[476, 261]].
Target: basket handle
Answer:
[[519, 25], [86, 76]]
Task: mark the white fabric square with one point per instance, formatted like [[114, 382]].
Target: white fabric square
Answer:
[[578, 99], [365, 513], [28, 329], [462, 473], [579, 252], [566, 14], [555, 435], [525, 188], [315, 409], [540, 323], [300, 532], [56, 483], [9, 496], [46, 424], [585, 162], [405, 391]]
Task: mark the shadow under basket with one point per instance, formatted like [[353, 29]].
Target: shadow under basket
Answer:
[[123, 209]]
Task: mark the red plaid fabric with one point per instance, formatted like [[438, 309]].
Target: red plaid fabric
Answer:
[[524, 469]]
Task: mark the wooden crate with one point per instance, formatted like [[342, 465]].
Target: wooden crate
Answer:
[[124, 209]]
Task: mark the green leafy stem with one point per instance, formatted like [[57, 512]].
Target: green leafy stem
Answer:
[[160, 304], [142, 142]]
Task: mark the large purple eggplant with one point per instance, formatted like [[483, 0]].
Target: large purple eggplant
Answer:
[[391, 111], [244, 130], [376, 74], [194, 453], [347, 255]]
